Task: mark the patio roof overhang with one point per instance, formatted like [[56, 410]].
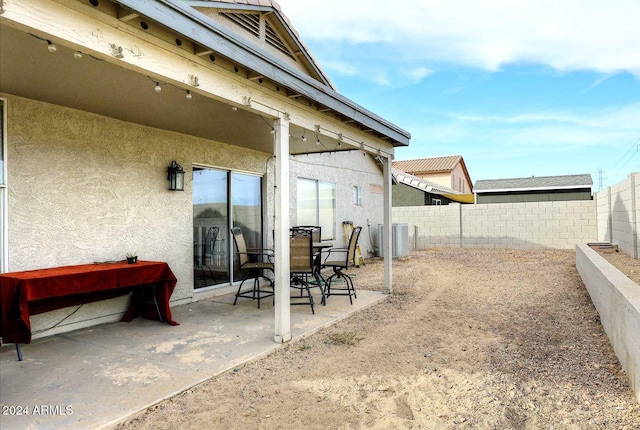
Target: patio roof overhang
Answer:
[[182, 18], [322, 120]]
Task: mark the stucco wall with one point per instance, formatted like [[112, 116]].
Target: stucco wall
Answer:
[[85, 188], [508, 225], [618, 215], [346, 170], [457, 175], [443, 179]]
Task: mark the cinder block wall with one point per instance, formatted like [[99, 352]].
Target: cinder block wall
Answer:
[[617, 299], [502, 225], [618, 212]]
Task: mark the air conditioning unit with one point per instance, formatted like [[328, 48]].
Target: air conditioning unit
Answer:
[[400, 238]]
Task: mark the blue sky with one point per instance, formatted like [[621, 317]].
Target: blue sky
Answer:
[[517, 87]]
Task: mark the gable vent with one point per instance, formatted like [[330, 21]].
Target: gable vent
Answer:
[[272, 38], [248, 21]]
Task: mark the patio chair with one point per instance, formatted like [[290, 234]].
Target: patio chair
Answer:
[[340, 259], [255, 262], [316, 231], [317, 281], [302, 266]]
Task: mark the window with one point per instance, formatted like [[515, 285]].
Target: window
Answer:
[[316, 205], [357, 196]]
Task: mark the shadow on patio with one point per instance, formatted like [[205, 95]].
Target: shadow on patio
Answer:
[[94, 378]]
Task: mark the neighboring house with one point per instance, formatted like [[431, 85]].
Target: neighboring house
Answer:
[[98, 97], [409, 190], [450, 171], [534, 189]]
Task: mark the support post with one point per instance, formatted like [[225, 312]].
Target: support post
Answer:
[[387, 241], [281, 235]]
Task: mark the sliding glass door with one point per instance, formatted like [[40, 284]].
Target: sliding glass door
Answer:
[[246, 206], [221, 200], [210, 227]]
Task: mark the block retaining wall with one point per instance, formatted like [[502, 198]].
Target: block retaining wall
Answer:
[[617, 299]]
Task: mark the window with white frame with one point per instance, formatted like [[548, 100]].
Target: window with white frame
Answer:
[[316, 205], [357, 196]]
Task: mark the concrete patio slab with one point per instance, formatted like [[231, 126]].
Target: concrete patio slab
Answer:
[[96, 377]]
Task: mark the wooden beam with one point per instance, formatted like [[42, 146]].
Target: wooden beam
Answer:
[[201, 51], [125, 15]]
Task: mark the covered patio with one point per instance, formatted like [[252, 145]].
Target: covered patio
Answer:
[[97, 377], [100, 96]]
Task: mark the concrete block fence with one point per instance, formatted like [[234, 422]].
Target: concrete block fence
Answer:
[[618, 214], [527, 225]]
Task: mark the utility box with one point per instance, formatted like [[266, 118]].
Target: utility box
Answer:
[[400, 237]]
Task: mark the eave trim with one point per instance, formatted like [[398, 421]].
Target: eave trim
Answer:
[[182, 18]]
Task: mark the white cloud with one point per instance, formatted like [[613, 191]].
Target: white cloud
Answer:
[[619, 118], [536, 143], [340, 67], [420, 73], [567, 35]]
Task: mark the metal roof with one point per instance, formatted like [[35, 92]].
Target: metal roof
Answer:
[[429, 165], [185, 20], [534, 183]]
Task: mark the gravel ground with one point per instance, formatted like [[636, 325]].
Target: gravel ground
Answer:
[[470, 339]]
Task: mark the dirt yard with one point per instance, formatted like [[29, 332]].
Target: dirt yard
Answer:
[[470, 339]]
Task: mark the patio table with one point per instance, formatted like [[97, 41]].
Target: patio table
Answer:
[[32, 292]]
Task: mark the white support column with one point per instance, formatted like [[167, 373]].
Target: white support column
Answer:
[[388, 238], [281, 224]]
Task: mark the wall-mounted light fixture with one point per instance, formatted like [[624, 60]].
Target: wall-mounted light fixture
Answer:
[[175, 174]]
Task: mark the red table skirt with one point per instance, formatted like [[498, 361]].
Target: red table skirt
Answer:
[[36, 291]]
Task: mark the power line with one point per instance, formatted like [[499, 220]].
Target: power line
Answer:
[[633, 145]]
